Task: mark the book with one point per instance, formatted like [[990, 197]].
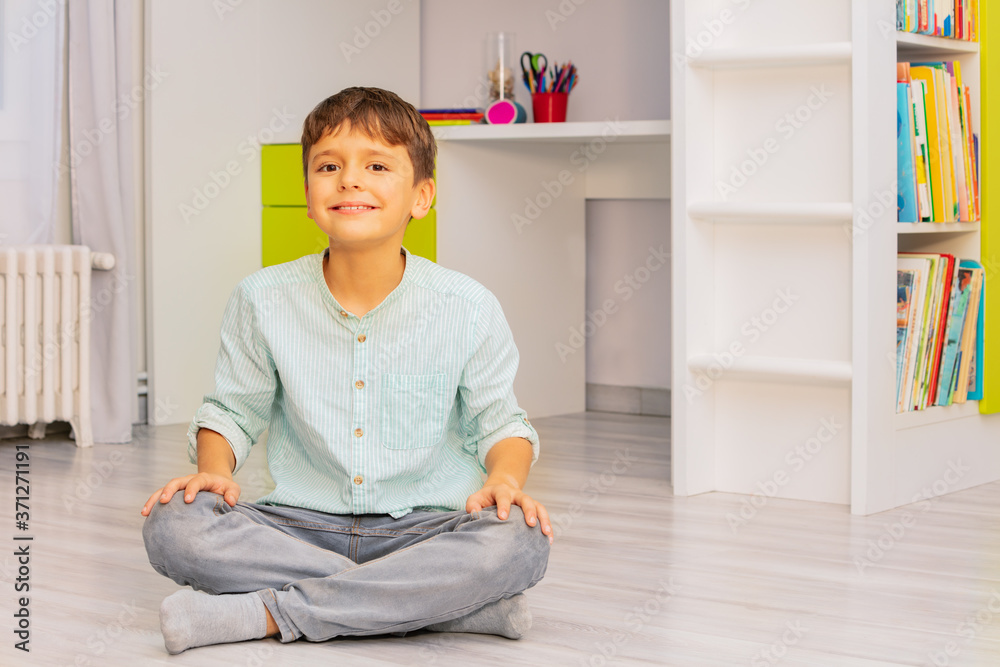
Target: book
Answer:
[[926, 76], [956, 145], [464, 110], [950, 267], [945, 152], [906, 193], [921, 271], [922, 161], [953, 335], [904, 315], [975, 386], [452, 122], [452, 116], [960, 390]]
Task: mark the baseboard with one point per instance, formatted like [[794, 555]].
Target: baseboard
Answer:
[[21, 430], [628, 400]]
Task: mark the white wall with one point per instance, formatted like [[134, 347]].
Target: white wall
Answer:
[[628, 292], [620, 49], [231, 80]]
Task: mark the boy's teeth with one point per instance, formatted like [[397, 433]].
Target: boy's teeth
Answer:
[[353, 208]]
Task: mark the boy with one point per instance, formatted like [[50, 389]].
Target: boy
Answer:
[[386, 381]]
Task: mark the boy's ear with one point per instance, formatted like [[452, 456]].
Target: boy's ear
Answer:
[[425, 198], [309, 212]]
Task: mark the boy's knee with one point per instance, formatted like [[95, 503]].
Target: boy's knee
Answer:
[[169, 523]]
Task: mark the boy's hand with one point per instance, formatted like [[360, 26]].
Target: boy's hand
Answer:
[[503, 495], [192, 484]]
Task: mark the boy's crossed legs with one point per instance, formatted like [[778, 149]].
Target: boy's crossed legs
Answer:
[[321, 576]]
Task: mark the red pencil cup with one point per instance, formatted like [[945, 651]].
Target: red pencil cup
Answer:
[[549, 107]]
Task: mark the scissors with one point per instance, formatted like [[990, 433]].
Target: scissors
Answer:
[[537, 64]]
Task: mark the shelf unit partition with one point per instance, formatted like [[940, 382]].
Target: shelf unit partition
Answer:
[[785, 260]]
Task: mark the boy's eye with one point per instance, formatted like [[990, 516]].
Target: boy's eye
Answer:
[[381, 167], [323, 167]]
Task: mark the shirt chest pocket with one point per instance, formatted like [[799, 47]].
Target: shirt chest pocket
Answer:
[[414, 410]]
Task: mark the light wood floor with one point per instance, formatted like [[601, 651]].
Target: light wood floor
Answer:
[[635, 577]]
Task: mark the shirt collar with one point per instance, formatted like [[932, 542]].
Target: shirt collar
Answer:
[[408, 272]]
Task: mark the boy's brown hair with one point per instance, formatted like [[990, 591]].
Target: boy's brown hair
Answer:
[[380, 115]]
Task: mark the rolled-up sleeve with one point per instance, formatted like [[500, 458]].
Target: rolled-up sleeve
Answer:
[[489, 410], [245, 383]]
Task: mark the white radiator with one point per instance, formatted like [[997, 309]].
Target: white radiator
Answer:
[[45, 314]]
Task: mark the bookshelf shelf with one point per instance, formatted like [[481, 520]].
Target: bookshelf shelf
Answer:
[[775, 56], [916, 418], [936, 227], [810, 371], [773, 212], [628, 131], [908, 42]]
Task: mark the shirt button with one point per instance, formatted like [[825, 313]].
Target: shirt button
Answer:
[[359, 384], [358, 432], [343, 313], [358, 480], [361, 338]]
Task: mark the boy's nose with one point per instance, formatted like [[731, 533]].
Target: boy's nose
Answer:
[[350, 177]]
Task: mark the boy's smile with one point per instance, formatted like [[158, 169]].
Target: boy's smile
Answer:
[[360, 192]]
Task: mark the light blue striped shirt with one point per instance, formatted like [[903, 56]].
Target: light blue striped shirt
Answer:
[[381, 414]]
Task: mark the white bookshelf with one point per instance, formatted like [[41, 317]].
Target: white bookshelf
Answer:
[[757, 374]]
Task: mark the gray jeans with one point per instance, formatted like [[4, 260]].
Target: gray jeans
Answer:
[[327, 575]]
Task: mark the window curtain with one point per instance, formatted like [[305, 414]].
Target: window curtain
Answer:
[[102, 110], [31, 85]]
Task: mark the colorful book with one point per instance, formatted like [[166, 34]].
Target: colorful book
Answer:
[[906, 193], [960, 391], [975, 386], [922, 159], [956, 320], [926, 76], [904, 315], [921, 270]]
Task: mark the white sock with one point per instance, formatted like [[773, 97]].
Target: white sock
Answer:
[[189, 618], [507, 617]]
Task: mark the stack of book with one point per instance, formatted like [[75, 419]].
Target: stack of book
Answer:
[[939, 330], [938, 157], [452, 116], [944, 18]]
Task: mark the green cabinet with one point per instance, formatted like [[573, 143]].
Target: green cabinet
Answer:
[[287, 233]]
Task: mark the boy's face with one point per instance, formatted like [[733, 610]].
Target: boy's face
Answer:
[[361, 192]]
